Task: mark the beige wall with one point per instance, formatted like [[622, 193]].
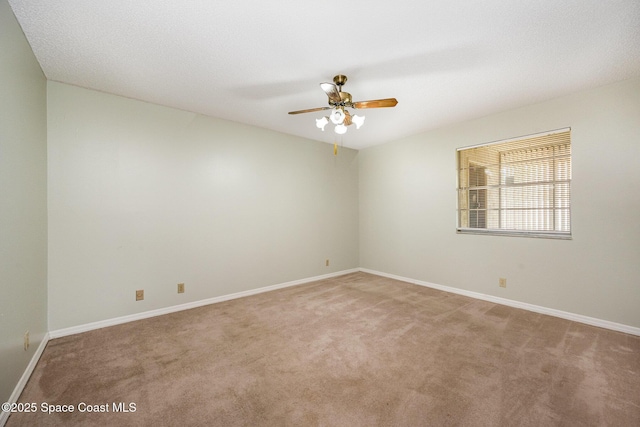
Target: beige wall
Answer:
[[408, 202], [145, 197], [23, 202]]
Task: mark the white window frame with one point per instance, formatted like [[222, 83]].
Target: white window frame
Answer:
[[465, 213]]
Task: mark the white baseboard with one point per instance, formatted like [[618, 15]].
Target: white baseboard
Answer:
[[511, 303], [159, 312], [17, 391]]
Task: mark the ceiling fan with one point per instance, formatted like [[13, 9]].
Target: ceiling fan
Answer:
[[338, 100]]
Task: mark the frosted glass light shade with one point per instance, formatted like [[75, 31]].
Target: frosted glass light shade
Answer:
[[337, 116], [357, 120], [321, 123], [340, 129]]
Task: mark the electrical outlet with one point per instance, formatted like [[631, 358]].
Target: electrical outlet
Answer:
[[139, 295], [326, 263], [181, 288], [503, 282], [26, 340]]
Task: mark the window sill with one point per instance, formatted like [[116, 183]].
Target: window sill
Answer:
[[514, 233]]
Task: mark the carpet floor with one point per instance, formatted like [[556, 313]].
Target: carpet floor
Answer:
[[355, 350]]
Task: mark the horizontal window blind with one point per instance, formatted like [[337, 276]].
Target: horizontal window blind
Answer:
[[521, 186]]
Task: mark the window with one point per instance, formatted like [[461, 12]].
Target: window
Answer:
[[520, 186]]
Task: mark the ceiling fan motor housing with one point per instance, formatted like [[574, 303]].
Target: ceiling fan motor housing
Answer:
[[345, 99]]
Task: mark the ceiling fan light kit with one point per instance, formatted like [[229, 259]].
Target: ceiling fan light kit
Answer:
[[338, 101]]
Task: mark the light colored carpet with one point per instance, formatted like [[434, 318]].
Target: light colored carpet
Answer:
[[356, 350]]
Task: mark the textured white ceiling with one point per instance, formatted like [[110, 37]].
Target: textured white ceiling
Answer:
[[253, 61]]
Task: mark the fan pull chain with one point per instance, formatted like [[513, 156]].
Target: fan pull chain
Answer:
[[335, 148], [335, 145]]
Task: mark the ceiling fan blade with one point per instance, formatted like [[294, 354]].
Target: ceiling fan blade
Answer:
[[310, 110], [332, 92], [376, 103]]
